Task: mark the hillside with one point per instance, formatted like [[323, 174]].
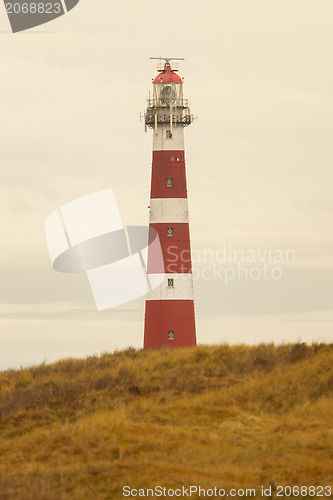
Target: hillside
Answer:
[[220, 416]]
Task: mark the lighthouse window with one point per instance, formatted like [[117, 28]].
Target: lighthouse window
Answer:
[[171, 335], [168, 134], [172, 158], [170, 231], [169, 182], [170, 282], [178, 158]]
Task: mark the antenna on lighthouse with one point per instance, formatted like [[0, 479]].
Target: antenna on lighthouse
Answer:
[[167, 60]]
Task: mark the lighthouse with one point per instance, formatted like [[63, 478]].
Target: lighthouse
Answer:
[[169, 308]]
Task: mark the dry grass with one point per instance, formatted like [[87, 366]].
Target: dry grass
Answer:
[[232, 417]]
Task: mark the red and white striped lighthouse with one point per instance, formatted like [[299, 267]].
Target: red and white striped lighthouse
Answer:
[[169, 314]]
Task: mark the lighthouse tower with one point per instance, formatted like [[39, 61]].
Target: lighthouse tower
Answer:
[[169, 314]]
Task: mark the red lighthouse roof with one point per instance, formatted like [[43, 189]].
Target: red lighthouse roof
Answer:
[[167, 75]]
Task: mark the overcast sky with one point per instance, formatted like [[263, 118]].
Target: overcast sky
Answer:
[[259, 75]]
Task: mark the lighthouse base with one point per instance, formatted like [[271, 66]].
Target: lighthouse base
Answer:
[[169, 323]]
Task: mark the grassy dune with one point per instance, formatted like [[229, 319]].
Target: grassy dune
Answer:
[[230, 417]]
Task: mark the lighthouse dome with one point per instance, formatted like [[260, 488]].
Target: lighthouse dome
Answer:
[[167, 75]]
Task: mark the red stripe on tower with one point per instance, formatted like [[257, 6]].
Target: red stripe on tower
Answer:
[[168, 177], [176, 249], [169, 315]]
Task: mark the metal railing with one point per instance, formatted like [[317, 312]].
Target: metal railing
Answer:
[[184, 120]]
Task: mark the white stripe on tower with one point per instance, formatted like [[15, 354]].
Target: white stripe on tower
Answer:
[[168, 210], [162, 143], [182, 289]]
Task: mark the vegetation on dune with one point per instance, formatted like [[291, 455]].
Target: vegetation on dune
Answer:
[[224, 416]]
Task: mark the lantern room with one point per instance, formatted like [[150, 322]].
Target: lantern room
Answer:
[[168, 88], [167, 105]]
